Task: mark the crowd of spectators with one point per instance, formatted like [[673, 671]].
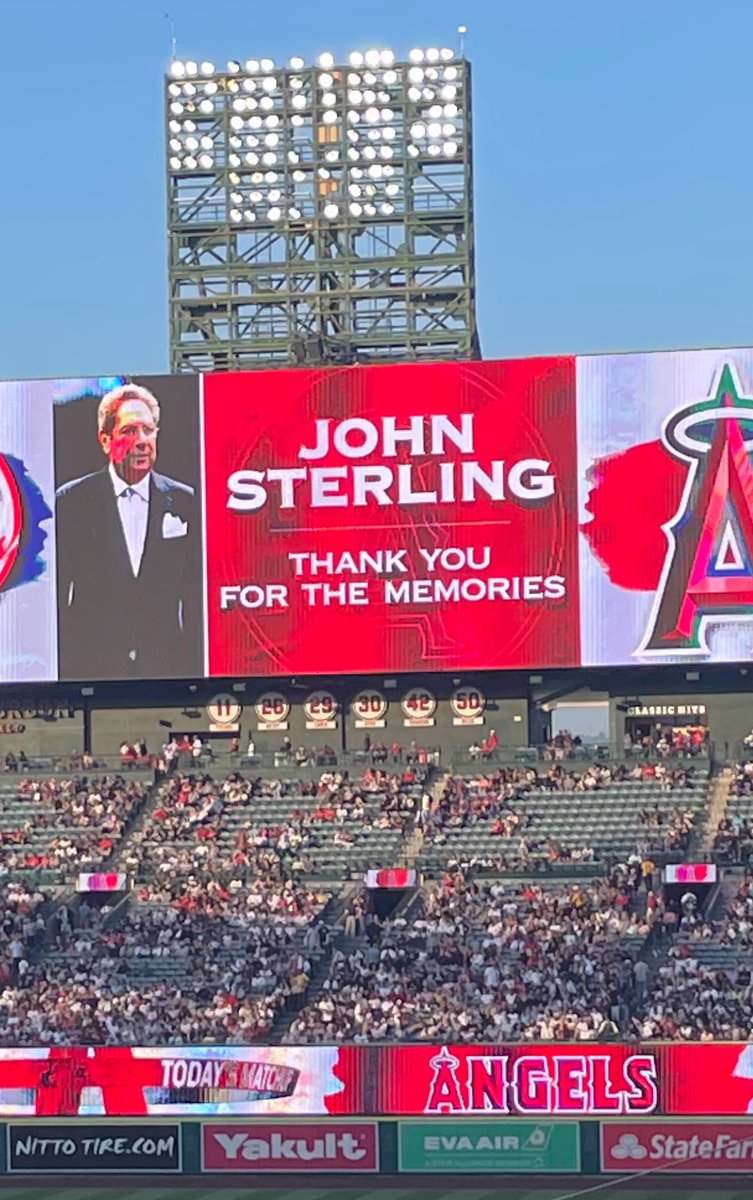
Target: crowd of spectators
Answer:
[[505, 799], [233, 966], [694, 1002], [734, 834], [488, 962], [67, 824], [187, 833]]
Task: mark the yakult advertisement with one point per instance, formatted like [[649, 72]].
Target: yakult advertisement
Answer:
[[528, 1080]]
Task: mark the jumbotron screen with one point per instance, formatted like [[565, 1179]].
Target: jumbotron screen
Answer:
[[540, 513], [450, 1081]]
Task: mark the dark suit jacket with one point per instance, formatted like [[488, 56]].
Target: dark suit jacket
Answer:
[[113, 625]]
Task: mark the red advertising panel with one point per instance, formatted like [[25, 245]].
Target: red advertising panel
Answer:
[[580, 1079], [330, 1147], [562, 1080], [635, 1146], [682, 1079], [392, 518]]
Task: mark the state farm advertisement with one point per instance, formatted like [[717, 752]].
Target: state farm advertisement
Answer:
[[661, 1145], [392, 518], [702, 1080], [329, 1147]]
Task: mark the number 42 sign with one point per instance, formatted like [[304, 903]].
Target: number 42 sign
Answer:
[[419, 706]]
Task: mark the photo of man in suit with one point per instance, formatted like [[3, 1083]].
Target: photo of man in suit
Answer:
[[128, 561]]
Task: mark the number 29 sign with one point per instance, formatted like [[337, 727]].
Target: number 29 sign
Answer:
[[320, 710]]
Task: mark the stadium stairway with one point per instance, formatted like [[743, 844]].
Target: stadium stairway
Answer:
[[66, 895], [718, 802]]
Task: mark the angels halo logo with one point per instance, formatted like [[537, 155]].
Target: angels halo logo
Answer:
[[708, 570], [11, 520]]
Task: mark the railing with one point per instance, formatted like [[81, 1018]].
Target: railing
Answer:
[[603, 752], [315, 760]]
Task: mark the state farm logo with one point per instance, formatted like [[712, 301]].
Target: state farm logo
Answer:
[[629, 1146], [703, 1146], [333, 1146]]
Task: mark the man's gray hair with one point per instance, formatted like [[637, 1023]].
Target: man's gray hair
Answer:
[[110, 403]]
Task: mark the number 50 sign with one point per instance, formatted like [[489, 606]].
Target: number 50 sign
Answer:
[[467, 704]]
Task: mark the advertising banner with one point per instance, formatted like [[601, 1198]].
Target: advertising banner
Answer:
[[263, 1148], [539, 513], [392, 518], [488, 1147], [666, 507], [523, 1080], [80, 1149], [181, 1081], [661, 1145]]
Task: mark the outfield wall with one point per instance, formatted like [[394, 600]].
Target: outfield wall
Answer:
[[484, 1146]]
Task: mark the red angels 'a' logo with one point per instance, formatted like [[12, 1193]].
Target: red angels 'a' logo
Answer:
[[11, 520]]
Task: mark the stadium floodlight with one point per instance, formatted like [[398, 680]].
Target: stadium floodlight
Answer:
[[372, 148]]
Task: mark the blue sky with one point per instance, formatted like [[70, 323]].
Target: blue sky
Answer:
[[612, 151]]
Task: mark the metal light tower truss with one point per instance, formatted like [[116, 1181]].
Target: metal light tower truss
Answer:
[[320, 214]]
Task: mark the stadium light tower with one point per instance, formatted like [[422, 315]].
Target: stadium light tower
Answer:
[[321, 213]]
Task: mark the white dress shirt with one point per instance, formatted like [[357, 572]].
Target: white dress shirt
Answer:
[[133, 508]]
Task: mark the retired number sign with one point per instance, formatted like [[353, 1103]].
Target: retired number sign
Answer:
[[320, 711], [419, 706], [468, 705], [369, 709], [272, 711]]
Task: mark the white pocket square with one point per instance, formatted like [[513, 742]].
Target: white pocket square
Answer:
[[173, 527]]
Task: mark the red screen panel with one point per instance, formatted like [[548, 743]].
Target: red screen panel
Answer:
[[392, 518]]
